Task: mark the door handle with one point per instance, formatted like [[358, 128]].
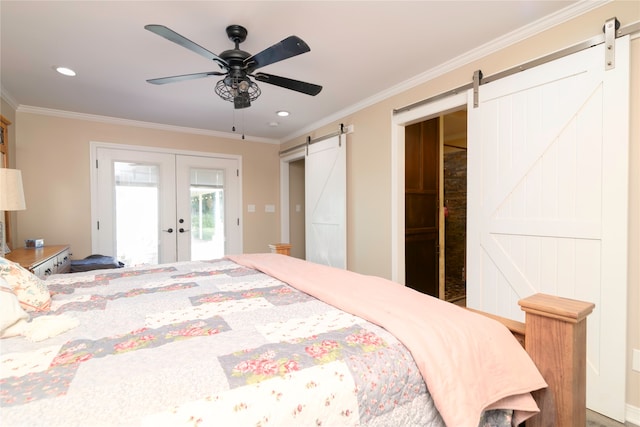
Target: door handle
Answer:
[[182, 230], [170, 230]]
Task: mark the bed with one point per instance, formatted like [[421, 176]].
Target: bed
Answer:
[[267, 339]]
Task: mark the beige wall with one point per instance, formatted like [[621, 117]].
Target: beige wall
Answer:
[[53, 154], [369, 151]]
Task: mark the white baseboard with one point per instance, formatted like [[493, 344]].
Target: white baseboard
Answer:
[[632, 414]]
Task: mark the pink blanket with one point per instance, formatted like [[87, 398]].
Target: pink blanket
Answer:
[[469, 362]]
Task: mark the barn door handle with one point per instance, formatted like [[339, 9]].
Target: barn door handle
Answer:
[[170, 230], [182, 230]]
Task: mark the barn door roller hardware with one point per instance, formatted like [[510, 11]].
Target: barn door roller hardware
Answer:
[[342, 129], [477, 81], [610, 27]]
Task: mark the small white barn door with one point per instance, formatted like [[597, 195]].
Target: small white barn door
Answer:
[[547, 201], [326, 202]]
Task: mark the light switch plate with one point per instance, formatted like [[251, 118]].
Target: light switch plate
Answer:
[[635, 365], [251, 208], [270, 208]]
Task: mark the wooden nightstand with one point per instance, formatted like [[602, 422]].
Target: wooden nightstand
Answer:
[[49, 259]]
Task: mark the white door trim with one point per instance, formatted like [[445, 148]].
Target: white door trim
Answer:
[[398, 123], [293, 156]]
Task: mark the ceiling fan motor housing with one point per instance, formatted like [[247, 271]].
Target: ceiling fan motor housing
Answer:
[[237, 33]]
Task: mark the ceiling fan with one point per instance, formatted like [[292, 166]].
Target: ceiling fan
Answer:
[[239, 65]]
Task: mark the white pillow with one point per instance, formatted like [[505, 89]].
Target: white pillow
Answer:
[[12, 316]]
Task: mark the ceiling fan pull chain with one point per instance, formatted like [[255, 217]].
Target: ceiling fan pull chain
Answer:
[[233, 127]]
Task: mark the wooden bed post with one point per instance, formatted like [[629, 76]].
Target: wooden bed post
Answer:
[[280, 248], [556, 340]]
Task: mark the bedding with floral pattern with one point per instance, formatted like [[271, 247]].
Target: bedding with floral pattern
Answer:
[[31, 291], [209, 343]]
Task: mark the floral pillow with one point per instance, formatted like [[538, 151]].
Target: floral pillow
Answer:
[[11, 314], [32, 292]]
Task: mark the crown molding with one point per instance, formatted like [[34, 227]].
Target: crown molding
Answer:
[[8, 98], [137, 123]]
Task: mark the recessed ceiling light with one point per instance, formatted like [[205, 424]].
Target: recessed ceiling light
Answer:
[[65, 71], [273, 124], [282, 113]]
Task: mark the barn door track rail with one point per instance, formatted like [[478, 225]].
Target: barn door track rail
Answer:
[[610, 31]]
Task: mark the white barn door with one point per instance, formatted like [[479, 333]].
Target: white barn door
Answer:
[[326, 202], [548, 201]]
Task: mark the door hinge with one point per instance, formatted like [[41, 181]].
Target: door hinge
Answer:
[[237, 172], [238, 221], [96, 163], [98, 224]]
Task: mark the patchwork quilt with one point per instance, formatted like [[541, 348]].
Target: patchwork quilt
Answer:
[[209, 343]]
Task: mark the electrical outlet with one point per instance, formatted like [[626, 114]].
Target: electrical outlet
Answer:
[[635, 365]]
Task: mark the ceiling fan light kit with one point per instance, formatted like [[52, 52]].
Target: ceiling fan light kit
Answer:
[[240, 92], [239, 66]]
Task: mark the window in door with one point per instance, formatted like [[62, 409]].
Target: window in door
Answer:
[[206, 191], [136, 212]]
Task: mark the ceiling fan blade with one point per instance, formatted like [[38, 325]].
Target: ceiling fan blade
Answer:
[[173, 79], [297, 85], [171, 35], [287, 48]]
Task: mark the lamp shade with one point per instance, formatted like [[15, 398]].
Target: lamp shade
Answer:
[[11, 193]]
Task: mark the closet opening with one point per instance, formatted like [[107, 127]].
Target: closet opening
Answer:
[[435, 206]]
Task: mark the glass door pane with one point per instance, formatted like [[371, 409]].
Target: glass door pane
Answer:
[[136, 209], [207, 213]]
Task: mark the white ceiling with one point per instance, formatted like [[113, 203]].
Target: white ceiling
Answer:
[[359, 50]]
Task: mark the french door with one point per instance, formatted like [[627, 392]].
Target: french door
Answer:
[[208, 207], [154, 207]]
